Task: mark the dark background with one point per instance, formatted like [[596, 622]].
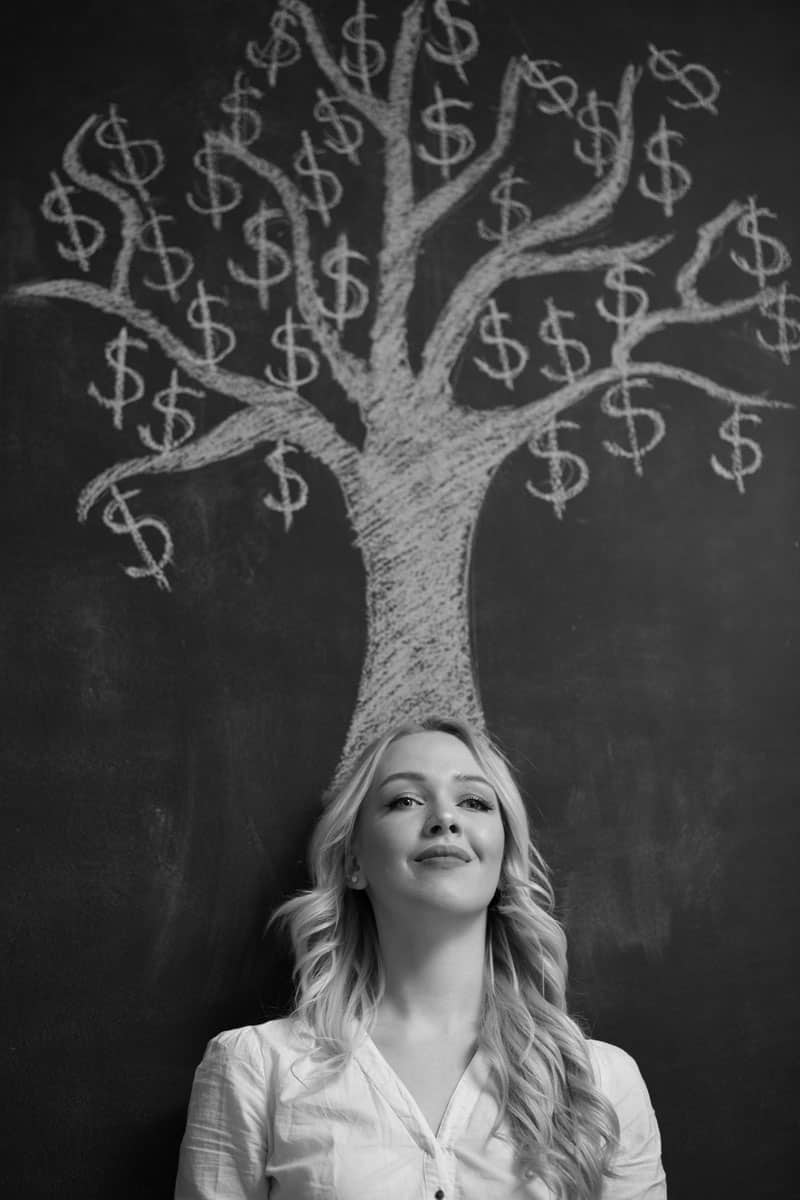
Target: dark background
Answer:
[[164, 753]]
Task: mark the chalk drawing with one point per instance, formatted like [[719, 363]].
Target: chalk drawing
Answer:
[[572, 354], [176, 264], [568, 472], [461, 42], [245, 120], [300, 363], [769, 254], [215, 193], [560, 90], [511, 356], [119, 519], [346, 131], [288, 502], [351, 295], [616, 403], [86, 235], [142, 159], [746, 455], [599, 119], [363, 57], [414, 484], [128, 384], [697, 86], [326, 187], [178, 425], [219, 340], [673, 180], [454, 142], [513, 213], [273, 263], [281, 49], [784, 328]]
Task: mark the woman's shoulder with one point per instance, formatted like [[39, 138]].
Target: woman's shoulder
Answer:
[[618, 1076], [254, 1043]]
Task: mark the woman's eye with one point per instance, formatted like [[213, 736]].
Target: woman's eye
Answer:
[[477, 803], [403, 802]]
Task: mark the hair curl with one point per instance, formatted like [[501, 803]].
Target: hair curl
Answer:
[[564, 1129]]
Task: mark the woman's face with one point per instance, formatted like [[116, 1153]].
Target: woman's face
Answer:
[[430, 831]]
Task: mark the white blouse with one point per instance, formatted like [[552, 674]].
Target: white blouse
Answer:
[[261, 1124]]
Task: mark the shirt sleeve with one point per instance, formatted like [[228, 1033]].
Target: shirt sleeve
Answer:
[[224, 1151], [637, 1172]]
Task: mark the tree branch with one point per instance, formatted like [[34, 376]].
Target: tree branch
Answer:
[[348, 371], [132, 220], [289, 416], [507, 427], [297, 415], [465, 305], [376, 111], [497, 265], [437, 204], [693, 309]]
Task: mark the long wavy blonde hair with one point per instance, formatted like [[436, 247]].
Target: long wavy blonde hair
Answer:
[[564, 1129]]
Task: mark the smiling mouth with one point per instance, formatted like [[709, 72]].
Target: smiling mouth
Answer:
[[443, 855]]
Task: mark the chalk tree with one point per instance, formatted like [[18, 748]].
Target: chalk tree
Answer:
[[334, 302]]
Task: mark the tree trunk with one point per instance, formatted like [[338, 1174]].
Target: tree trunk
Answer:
[[414, 522]]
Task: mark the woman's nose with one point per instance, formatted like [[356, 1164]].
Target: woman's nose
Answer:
[[442, 819]]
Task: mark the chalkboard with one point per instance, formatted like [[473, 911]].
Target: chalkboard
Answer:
[[300, 433]]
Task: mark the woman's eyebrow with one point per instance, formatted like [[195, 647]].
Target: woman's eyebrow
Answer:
[[418, 777]]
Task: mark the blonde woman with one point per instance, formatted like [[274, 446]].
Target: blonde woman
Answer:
[[430, 1055]]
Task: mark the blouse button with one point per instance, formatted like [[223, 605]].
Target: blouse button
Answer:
[[438, 1194]]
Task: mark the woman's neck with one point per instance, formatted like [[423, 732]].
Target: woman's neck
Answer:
[[434, 984]]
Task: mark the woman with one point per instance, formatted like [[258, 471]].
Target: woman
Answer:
[[430, 1055]]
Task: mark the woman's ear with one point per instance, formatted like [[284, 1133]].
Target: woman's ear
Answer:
[[355, 877]]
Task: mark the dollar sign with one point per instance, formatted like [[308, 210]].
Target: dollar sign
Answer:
[[245, 121], [287, 504], [255, 231], [770, 256], [552, 334], [151, 241], [119, 518], [562, 90], [694, 78], [116, 355], [509, 208], [615, 279], [456, 142], [284, 338], [218, 340], [603, 139], [326, 186], [368, 57], [166, 402], [787, 328], [111, 135], [57, 207], [675, 180], [569, 473], [731, 431], [222, 193], [351, 295], [512, 355], [280, 50], [462, 39], [347, 130], [616, 402]]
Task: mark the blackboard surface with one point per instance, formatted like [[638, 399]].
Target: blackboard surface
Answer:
[[637, 654]]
